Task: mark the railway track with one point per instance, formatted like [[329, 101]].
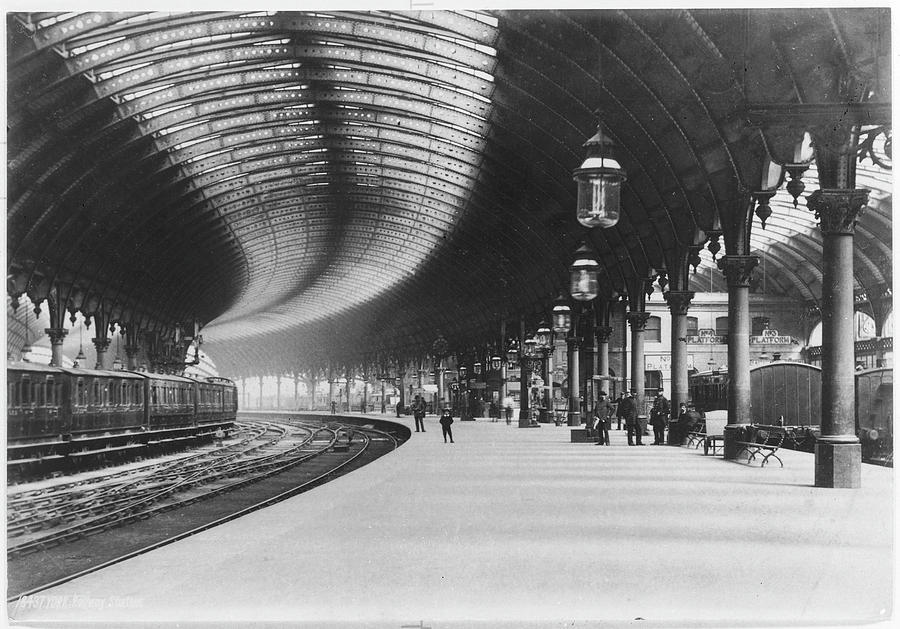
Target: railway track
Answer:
[[84, 527]]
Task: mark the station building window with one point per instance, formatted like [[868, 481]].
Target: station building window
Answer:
[[692, 326], [721, 326], [758, 324], [653, 331]]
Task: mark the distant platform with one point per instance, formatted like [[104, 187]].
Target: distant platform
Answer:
[[516, 528]]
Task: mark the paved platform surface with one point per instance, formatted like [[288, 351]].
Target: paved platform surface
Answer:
[[519, 527]]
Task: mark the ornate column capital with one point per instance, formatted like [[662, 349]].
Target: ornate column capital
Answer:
[[637, 320], [603, 333], [102, 344], [838, 210], [132, 350], [56, 335], [679, 301], [738, 269]]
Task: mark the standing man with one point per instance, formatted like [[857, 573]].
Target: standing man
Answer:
[[418, 409], [659, 415], [446, 421], [602, 419], [628, 409]]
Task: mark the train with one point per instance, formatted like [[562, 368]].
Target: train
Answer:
[[789, 393], [62, 414]]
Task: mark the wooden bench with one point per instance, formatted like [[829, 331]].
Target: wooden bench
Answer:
[[763, 442]]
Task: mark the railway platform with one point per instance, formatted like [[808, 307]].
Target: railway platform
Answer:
[[520, 528]]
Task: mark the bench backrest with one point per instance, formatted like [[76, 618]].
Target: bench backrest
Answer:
[[716, 422]]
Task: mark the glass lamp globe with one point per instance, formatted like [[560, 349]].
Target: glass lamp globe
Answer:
[[583, 284], [543, 336], [496, 362], [599, 180], [463, 371], [477, 368], [562, 318]]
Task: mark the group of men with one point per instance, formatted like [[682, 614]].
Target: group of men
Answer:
[[626, 409]]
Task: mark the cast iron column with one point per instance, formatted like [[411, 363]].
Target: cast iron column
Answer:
[[259, 401], [573, 368], [679, 303], [838, 452], [638, 323], [737, 270], [603, 333], [57, 335]]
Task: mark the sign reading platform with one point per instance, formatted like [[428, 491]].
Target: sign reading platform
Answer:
[[770, 337]]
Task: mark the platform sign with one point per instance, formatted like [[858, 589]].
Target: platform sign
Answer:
[[771, 337]]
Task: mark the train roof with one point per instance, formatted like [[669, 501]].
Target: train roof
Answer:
[[22, 365], [724, 372], [102, 373]]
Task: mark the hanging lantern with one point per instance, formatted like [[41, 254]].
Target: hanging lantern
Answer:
[[543, 336], [462, 372], [530, 347], [512, 354], [477, 368], [599, 180], [583, 284], [562, 316], [496, 362]]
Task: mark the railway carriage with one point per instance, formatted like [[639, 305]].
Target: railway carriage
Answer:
[[875, 413], [790, 392], [57, 415]]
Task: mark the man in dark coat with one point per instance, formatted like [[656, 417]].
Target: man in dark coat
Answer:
[[418, 409], [602, 418], [659, 415], [628, 410]]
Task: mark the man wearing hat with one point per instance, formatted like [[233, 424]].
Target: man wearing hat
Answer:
[[602, 419], [628, 409], [659, 415]]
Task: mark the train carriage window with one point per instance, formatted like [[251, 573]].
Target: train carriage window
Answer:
[[37, 393], [104, 392], [51, 391], [26, 391], [13, 399], [81, 393]]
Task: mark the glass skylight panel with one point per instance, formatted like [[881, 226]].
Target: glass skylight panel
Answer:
[[144, 92], [181, 127], [50, 21], [93, 45]]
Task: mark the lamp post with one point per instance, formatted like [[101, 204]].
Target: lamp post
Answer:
[[544, 338], [464, 393], [583, 287]]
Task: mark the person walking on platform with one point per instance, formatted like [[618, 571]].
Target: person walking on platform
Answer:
[[628, 408], [659, 415], [418, 409], [333, 407], [446, 421], [603, 419], [399, 407]]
